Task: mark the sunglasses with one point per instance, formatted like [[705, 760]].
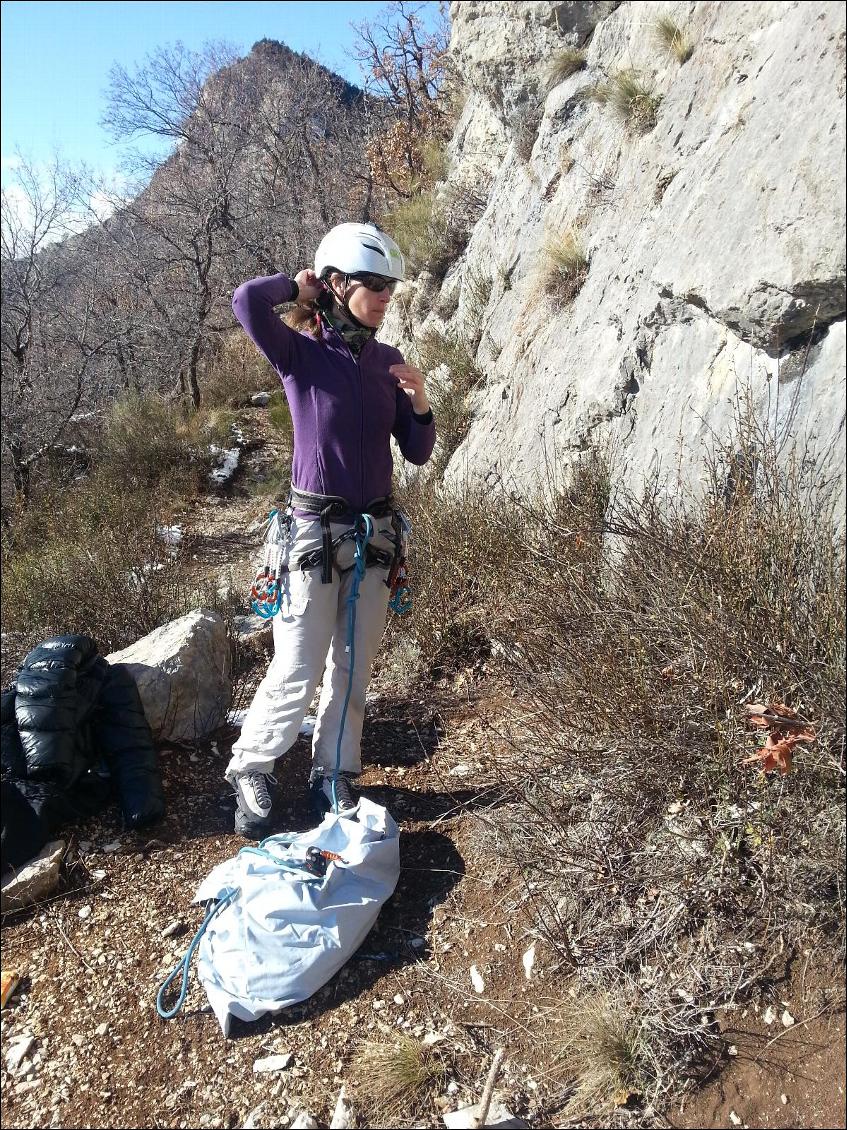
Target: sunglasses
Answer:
[[376, 283]]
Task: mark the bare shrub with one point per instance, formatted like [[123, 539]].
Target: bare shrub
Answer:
[[465, 550], [148, 441], [235, 373], [525, 125], [94, 563], [638, 631], [629, 631]]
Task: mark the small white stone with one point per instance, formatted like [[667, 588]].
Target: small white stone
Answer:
[[528, 961], [254, 1118], [732, 1050], [304, 1121], [734, 1119], [101, 1029], [273, 1063], [84, 912], [378, 1006], [18, 1052], [769, 1015], [476, 980], [399, 998], [784, 1100], [787, 1019]]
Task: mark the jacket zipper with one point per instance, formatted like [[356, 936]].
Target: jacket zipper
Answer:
[[355, 361]]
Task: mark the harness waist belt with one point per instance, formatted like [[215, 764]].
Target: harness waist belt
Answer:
[[329, 506], [338, 507]]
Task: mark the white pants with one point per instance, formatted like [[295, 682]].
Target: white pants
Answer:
[[310, 640]]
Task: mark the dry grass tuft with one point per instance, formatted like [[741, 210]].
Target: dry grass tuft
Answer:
[[629, 97], [396, 1081], [565, 63], [672, 39], [566, 267], [602, 1056]]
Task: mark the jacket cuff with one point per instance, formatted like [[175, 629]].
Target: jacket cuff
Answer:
[[425, 418]]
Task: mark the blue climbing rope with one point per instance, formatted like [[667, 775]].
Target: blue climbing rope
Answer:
[[185, 961], [363, 533]]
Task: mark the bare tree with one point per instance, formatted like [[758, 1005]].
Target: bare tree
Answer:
[[264, 161], [49, 335], [406, 69]]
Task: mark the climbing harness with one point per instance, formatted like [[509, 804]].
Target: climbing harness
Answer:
[[266, 591]]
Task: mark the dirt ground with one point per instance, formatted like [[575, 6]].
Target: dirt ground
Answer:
[[95, 954]]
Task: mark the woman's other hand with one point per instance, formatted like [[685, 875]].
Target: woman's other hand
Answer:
[[309, 285], [411, 380]]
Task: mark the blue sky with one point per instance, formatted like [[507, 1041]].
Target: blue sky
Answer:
[[56, 57]]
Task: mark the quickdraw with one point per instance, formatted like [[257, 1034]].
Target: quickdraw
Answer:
[[400, 598], [266, 591]]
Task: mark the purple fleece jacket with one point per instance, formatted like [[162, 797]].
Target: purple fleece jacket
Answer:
[[344, 409]]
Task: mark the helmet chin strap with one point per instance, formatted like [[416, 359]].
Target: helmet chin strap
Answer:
[[342, 302]]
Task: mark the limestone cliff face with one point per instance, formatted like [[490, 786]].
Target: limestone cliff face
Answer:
[[715, 239]]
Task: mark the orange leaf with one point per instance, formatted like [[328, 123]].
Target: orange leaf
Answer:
[[774, 755], [783, 710], [754, 714], [778, 751]]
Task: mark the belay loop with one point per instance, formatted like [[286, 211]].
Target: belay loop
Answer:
[[266, 593]]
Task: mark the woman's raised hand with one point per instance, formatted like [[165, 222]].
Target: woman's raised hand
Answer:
[[411, 380], [309, 285]]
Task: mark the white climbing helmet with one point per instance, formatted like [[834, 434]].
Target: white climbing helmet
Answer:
[[355, 248]]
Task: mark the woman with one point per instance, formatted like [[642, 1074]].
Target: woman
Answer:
[[348, 395]]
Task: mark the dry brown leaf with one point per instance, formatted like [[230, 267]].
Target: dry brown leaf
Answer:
[[785, 731]]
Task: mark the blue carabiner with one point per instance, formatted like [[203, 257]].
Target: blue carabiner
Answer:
[[401, 602]]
